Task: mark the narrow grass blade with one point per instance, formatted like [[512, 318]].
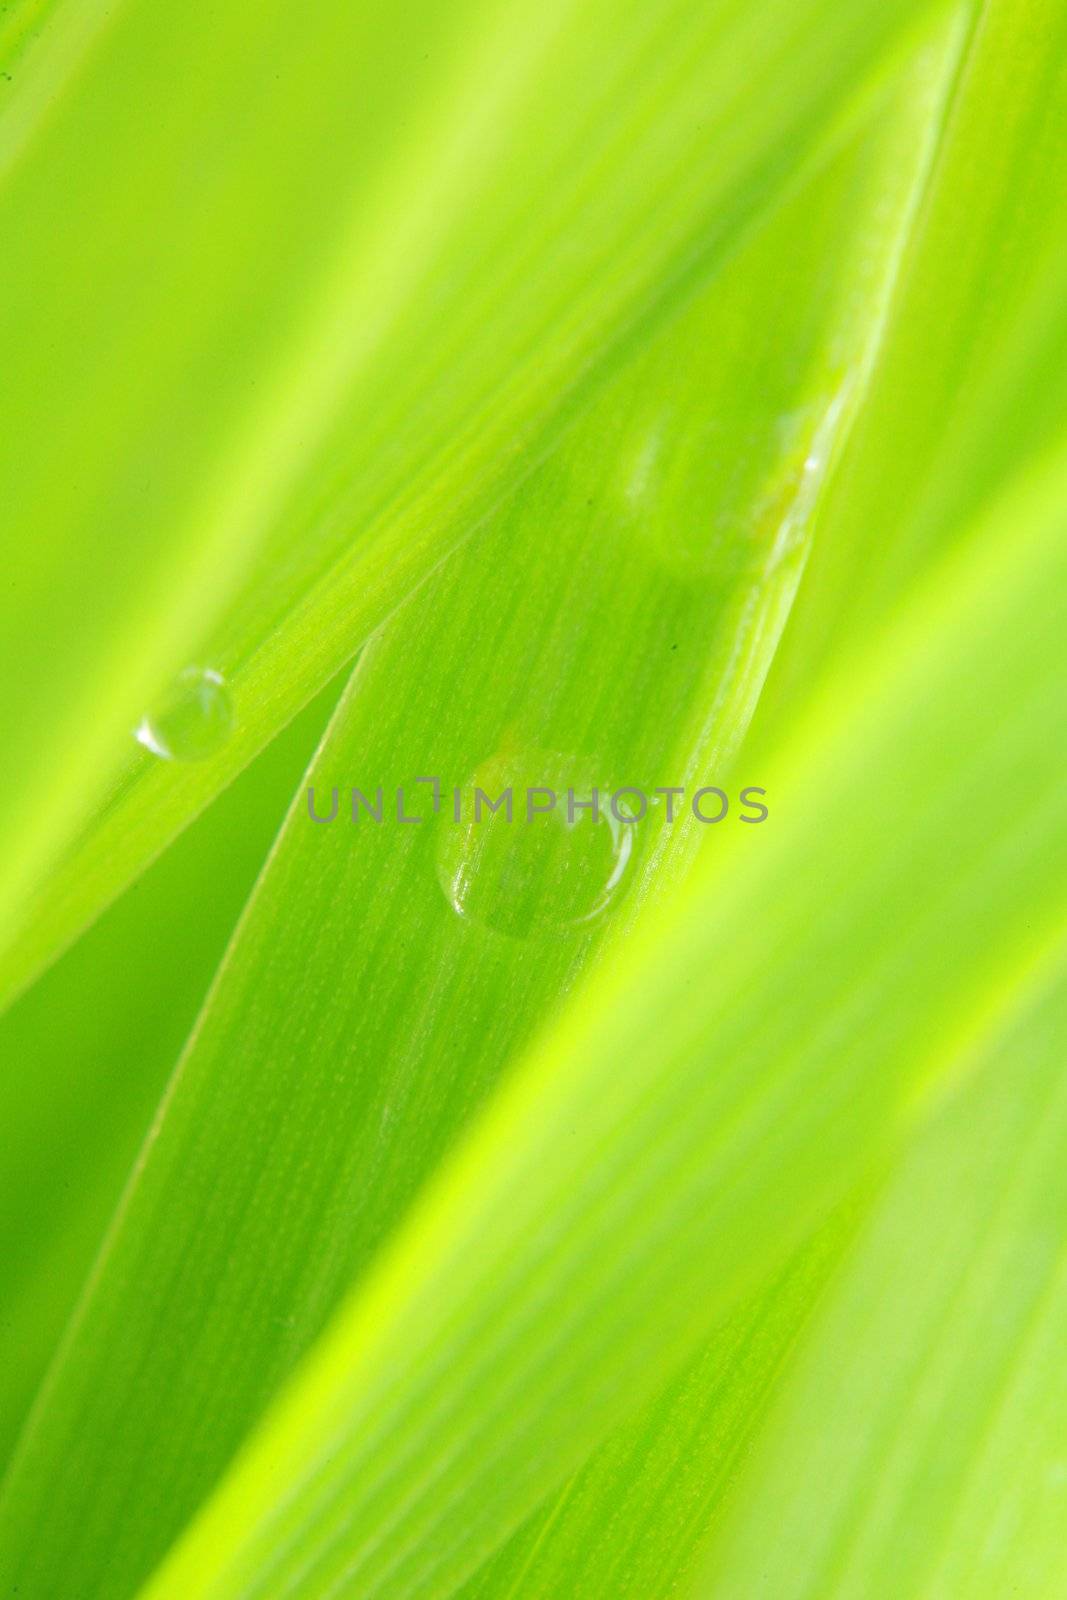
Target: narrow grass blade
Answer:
[[89, 1050], [917, 1449], [633, 1523], [971, 377]]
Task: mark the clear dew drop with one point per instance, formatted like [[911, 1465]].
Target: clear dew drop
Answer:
[[719, 503], [192, 721], [528, 878]]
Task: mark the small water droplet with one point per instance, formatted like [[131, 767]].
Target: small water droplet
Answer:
[[560, 869], [192, 721]]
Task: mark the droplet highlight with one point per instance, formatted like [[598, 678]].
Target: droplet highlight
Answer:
[[559, 868], [192, 721]]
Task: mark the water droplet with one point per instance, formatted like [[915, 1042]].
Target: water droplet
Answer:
[[559, 869], [719, 502], [193, 720]]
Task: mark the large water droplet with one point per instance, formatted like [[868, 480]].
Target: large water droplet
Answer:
[[562, 868], [193, 720], [719, 501]]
